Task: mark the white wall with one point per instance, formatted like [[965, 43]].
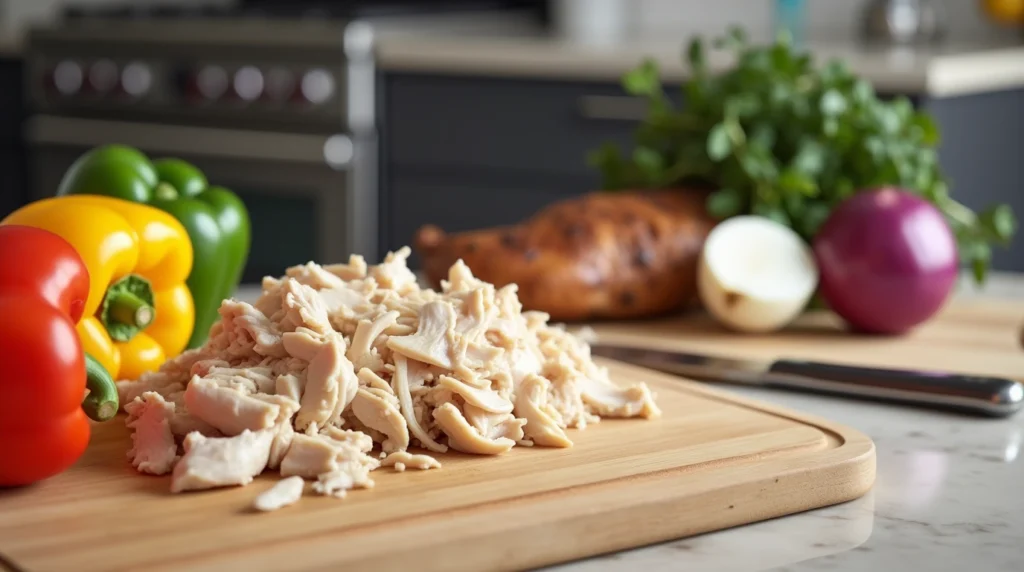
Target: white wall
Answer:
[[827, 18], [16, 14]]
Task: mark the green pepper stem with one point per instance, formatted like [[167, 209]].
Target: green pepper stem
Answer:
[[165, 192], [127, 308], [102, 402]]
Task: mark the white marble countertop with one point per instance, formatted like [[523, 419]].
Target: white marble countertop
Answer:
[[940, 71], [946, 496]]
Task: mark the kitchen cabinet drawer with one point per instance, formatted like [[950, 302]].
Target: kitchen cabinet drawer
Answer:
[[529, 125], [459, 201]]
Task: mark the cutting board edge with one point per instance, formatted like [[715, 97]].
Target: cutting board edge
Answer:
[[463, 546], [850, 467]]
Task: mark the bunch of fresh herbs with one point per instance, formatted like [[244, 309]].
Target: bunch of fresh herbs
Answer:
[[779, 137]]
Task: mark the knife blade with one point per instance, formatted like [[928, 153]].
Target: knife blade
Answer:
[[979, 395]]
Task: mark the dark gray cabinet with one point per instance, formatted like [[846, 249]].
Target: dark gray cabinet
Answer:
[[982, 153], [469, 152], [495, 123], [13, 170], [473, 152]]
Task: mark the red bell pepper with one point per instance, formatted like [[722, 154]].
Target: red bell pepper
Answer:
[[44, 421]]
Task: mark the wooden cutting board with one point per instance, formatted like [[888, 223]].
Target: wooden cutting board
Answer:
[[712, 461], [981, 336]]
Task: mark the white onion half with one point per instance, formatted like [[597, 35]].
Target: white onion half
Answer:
[[755, 275]]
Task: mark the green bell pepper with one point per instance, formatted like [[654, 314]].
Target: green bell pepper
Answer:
[[215, 218]]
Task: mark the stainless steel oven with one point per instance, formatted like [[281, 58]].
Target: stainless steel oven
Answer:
[[281, 113]]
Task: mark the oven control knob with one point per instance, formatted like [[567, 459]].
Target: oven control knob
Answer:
[[248, 83], [136, 79], [102, 76], [67, 77], [316, 87], [211, 82]]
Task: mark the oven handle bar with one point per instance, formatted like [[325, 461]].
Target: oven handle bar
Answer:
[[334, 151]]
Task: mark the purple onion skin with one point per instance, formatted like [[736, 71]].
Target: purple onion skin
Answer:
[[887, 260]]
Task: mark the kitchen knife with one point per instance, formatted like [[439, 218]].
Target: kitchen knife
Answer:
[[988, 396]]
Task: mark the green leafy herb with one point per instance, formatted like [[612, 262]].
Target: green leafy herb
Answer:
[[781, 137]]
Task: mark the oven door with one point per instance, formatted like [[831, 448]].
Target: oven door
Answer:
[[310, 197]]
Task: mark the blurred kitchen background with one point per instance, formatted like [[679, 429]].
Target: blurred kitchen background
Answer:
[[346, 125]]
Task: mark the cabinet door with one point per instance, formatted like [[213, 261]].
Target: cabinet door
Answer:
[[982, 155], [461, 201], [518, 124]]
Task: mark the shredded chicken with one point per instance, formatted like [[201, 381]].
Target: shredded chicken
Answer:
[[221, 461], [322, 386], [339, 370], [227, 409], [381, 415], [402, 460], [432, 341], [290, 386], [282, 429], [285, 492], [464, 437], [485, 399], [312, 455], [360, 353], [541, 419], [400, 383], [129, 391], [359, 440], [153, 448]]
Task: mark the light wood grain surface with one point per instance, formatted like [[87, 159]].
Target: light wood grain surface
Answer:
[[972, 335], [712, 461]]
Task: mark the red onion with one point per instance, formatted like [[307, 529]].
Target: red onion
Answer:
[[887, 259]]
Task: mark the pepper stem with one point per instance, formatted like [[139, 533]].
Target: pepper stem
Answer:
[[102, 402], [165, 192], [127, 308]]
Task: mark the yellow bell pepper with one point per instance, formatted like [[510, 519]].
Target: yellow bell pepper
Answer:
[[139, 312]]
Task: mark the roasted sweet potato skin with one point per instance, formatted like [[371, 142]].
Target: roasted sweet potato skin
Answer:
[[599, 256]]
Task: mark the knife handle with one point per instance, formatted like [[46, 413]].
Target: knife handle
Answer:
[[990, 396]]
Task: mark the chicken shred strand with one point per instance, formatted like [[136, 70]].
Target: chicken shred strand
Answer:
[[285, 492]]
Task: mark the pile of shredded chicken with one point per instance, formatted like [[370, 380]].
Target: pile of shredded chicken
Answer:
[[339, 370]]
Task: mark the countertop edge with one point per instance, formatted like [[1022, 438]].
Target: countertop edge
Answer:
[[963, 71], [939, 75], [971, 73]]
